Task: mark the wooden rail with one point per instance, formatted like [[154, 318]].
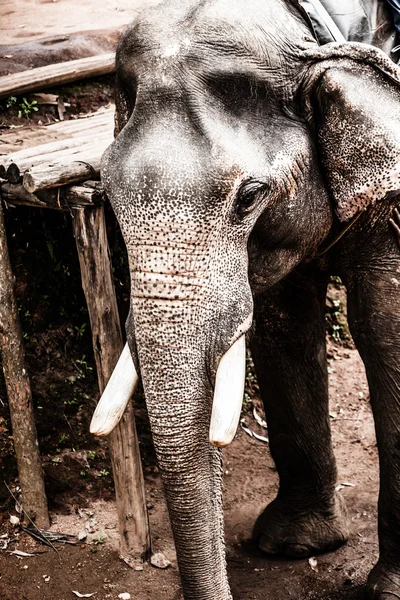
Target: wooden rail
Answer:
[[74, 158]]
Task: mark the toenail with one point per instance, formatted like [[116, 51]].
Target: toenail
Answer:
[[297, 550], [268, 546]]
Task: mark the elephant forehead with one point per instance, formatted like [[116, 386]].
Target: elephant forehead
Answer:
[[181, 33]]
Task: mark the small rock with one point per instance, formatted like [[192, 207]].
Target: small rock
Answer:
[[82, 535], [124, 596], [160, 561], [313, 564], [15, 521], [133, 563], [90, 525]]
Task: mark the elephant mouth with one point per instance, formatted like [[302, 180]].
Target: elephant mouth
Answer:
[[227, 399]]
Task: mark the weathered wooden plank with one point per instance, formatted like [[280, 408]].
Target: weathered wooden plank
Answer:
[[103, 117], [101, 121], [91, 239], [56, 74], [89, 193], [79, 167], [50, 151], [84, 195], [13, 173], [89, 149], [19, 393], [17, 194]]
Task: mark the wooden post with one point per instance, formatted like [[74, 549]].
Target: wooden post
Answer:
[[94, 257], [19, 393]]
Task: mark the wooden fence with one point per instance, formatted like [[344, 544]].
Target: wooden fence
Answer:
[[64, 175]]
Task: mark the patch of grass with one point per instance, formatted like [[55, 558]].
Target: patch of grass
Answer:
[[26, 108], [251, 389], [11, 100], [336, 313]]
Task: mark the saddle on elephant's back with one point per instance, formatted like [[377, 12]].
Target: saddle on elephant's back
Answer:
[[367, 21]]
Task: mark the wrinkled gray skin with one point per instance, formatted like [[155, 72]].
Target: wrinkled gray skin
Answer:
[[243, 150]]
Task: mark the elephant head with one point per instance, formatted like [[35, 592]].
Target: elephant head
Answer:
[[237, 138]]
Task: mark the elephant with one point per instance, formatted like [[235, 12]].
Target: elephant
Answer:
[[249, 164], [395, 222]]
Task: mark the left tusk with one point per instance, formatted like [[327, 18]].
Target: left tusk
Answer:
[[116, 395], [228, 394]]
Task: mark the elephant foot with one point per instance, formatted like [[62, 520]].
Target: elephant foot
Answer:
[[383, 583], [284, 529]]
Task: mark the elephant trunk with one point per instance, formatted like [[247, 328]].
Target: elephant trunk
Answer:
[[227, 401], [179, 405]]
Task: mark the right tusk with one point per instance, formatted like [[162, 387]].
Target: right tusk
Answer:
[[228, 394], [116, 395]]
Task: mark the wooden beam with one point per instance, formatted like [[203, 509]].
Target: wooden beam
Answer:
[[56, 74], [19, 393], [89, 193], [64, 171], [17, 194], [94, 256], [95, 124], [52, 151], [13, 173]]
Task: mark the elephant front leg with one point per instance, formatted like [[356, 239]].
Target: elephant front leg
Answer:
[[373, 282], [289, 353]]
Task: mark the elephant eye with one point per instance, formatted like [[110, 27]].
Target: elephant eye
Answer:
[[248, 195]]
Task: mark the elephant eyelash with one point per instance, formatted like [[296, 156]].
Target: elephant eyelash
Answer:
[[248, 195]]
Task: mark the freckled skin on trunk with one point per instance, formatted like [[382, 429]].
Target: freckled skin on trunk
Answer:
[[179, 405]]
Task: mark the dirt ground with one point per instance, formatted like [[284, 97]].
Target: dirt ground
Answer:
[[250, 482], [28, 20]]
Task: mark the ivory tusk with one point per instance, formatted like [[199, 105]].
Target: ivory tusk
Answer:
[[228, 394], [116, 395]]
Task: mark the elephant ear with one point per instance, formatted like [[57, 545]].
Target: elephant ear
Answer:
[[354, 108]]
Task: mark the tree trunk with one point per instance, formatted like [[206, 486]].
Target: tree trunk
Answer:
[[91, 239], [19, 393]]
